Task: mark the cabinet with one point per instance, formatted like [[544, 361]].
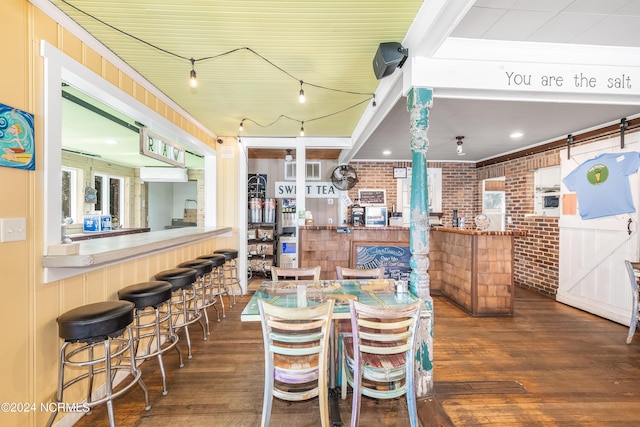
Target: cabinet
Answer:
[[261, 247]]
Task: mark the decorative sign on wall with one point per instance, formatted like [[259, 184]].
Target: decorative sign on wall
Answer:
[[16, 138], [372, 197], [317, 190], [160, 148], [496, 75], [393, 256]]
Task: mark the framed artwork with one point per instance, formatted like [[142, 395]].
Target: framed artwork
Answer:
[[16, 138], [399, 172]]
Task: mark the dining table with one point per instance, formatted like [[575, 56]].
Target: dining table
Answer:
[[302, 293]]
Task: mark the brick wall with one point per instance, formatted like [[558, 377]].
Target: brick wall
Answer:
[[459, 185], [378, 175], [459, 190], [536, 263]]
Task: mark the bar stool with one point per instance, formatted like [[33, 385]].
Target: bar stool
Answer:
[[201, 287], [152, 324], [92, 326], [230, 271], [183, 299], [216, 290]]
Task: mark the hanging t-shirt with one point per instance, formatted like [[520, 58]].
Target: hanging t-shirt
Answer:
[[602, 184]]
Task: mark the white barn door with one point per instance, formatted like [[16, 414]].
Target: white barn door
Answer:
[[592, 252]]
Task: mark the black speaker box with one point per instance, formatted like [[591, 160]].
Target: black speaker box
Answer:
[[389, 56]]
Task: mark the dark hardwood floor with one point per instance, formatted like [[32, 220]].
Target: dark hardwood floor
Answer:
[[549, 365]]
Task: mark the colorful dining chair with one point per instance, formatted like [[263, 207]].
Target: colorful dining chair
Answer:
[[312, 273], [359, 273], [343, 326], [296, 345], [381, 352]]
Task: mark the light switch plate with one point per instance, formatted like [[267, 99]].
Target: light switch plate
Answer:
[[13, 229]]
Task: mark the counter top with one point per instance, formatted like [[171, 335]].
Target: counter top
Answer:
[[107, 233], [335, 227], [119, 248], [472, 232]]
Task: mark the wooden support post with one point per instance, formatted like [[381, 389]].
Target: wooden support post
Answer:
[[419, 101]]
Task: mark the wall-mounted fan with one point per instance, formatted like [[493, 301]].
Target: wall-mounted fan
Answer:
[[344, 177]]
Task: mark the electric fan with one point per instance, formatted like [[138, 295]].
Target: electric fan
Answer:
[[344, 177]]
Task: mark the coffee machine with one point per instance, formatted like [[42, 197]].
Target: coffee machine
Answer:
[[357, 215]]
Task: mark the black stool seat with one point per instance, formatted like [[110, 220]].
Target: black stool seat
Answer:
[[147, 294], [216, 259], [95, 322], [178, 277], [229, 254], [202, 266]]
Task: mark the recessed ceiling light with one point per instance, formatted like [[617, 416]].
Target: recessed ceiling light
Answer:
[[516, 135], [386, 152], [110, 141]]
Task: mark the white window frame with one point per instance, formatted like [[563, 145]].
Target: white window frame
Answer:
[[290, 169], [60, 68], [503, 208], [105, 192], [75, 204]]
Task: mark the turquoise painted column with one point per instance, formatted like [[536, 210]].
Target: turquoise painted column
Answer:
[[419, 101]]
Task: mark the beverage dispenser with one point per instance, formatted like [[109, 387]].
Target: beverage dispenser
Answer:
[[357, 214], [289, 216]]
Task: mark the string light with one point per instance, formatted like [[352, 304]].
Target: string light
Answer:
[[283, 116], [193, 81], [301, 97]]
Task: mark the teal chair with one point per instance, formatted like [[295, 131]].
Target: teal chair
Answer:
[[381, 351], [296, 344]]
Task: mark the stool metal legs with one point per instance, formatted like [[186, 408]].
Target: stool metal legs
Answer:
[[73, 358], [201, 301], [216, 289], [186, 313], [157, 332], [231, 275]]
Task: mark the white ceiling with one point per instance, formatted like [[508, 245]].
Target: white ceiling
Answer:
[[559, 31]]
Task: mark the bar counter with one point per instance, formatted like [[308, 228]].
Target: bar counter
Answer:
[[100, 252], [474, 269], [329, 245]]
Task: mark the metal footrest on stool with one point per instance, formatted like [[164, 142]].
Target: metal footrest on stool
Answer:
[[231, 281], [215, 282], [201, 288], [184, 307]]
